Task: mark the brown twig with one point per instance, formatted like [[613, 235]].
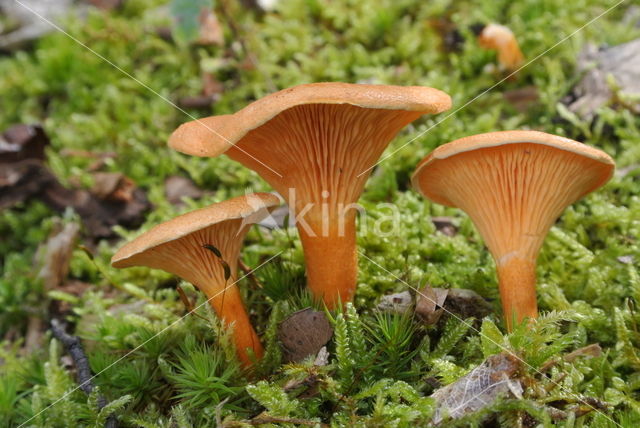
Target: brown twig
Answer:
[[80, 360], [249, 273]]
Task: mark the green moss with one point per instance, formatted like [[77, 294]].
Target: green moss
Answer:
[[589, 280]]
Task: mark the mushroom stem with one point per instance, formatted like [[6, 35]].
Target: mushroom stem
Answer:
[[229, 307], [517, 281], [331, 260]]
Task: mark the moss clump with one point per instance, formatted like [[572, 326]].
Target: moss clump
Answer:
[[154, 368]]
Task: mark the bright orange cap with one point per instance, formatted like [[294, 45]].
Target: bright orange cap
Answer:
[[320, 141], [513, 185], [178, 247]]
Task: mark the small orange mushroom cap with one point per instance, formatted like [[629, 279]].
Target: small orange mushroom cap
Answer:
[[176, 246], [318, 140], [513, 185], [501, 38]]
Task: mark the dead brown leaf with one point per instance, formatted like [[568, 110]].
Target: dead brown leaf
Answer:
[[21, 142], [620, 63], [497, 376], [54, 255], [430, 303], [303, 334], [23, 176]]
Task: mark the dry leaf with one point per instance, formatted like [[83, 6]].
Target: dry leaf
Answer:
[[496, 377], [303, 334], [21, 142], [620, 63], [55, 255], [430, 303]]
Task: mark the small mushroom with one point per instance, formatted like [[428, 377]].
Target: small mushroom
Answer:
[[315, 144], [513, 185], [203, 247], [501, 39]]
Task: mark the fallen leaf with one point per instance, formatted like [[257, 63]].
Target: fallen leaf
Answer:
[[54, 255], [21, 142], [113, 186], [303, 334], [397, 303], [429, 304], [23, 180], [34, 21], [119, 202], [619, 63], [496, 377], [590, 351]]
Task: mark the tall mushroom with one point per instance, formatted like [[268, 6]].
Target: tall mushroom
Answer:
[[315, 144], [203, 247], [513, 185]]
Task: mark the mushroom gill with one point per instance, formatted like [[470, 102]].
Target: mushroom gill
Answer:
[[513, 185], [312, 143], [183, 246]]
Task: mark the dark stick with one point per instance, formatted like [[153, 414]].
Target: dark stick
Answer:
[[74, 348]]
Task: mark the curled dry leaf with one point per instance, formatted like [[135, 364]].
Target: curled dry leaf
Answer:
[[430, 303], [21, 142], [113, 186], [23, 175], [303, 334], [497, 376]]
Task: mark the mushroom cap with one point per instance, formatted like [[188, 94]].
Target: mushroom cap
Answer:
[[214, 135], [233, 209], [601, 164]]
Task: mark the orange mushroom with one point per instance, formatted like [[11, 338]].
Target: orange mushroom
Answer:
[[513, 185], [313, 143], [501, 39], [203, 247]]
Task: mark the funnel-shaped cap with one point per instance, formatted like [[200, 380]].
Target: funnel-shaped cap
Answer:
[[513, 185], [178, 246], [315, 145]]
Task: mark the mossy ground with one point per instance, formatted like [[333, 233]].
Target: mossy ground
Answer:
[[378, 378]]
